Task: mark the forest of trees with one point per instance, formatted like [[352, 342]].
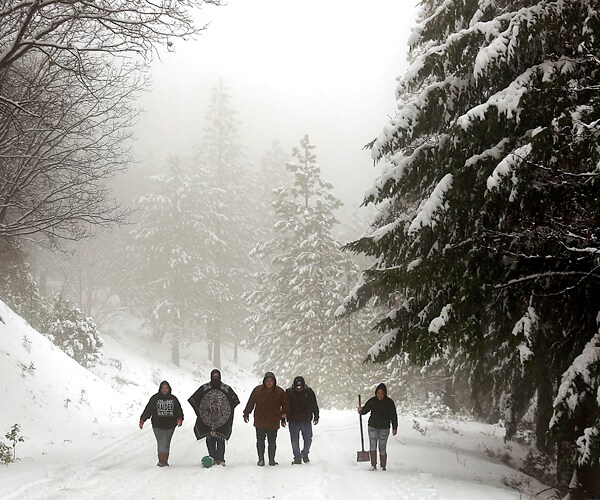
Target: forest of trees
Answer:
[[480, 270]]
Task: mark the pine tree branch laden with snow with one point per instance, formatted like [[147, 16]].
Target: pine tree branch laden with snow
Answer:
[[578, 397]]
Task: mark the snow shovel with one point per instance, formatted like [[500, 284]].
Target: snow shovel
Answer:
[[362, 456]]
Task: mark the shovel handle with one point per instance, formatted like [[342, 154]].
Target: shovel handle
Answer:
[[362, 437]]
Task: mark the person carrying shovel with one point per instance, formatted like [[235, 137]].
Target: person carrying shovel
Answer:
[[383, 413]]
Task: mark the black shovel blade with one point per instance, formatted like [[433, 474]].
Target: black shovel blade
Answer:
[[363, 456]]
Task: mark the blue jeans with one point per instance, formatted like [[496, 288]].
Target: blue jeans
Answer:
[[295, 429], [216, 448], [378, 437]]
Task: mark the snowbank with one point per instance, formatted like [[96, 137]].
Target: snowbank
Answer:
[[51, 396]]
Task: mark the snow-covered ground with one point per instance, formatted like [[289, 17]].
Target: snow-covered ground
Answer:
[[90, 447]]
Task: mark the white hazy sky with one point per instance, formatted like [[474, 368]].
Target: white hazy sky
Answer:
[[323, 67]]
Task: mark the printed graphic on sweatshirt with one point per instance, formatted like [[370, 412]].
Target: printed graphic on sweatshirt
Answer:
[[164, 407], [214, 409]]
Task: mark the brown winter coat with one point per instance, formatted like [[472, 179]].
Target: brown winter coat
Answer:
[[269, 405]]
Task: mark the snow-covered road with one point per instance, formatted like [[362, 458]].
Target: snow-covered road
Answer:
[[122, 466]]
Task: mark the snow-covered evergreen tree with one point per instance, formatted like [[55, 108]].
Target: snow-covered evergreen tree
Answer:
[[272, 174], [18, 288], [221, 155], [75, 333], [487, 248], [172, 253], [272, 167], [296, 295]]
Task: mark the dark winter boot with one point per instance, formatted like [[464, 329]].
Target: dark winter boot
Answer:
[[260, 448], [271, 449], [297, 461], [373, 455], [383, 460], [162, 459]]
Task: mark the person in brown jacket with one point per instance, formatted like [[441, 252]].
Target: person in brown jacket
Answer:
[[270, 405]]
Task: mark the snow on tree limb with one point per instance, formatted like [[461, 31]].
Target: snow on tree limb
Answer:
[[524, 329], [433, 205], [388, 181], [383, 344], [440, 321], [508, 165], [580, 386], [507, 102], [582, 379]]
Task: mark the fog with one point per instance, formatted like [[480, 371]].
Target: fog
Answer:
[[324, 68]]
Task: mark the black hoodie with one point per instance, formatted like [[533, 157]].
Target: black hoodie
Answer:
[[383, 413], [303, 402], [164, 409]]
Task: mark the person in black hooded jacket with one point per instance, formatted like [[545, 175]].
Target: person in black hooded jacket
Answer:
[[166, 413], [303, 412], [383, 413]]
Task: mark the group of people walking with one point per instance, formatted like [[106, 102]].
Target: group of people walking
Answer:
[[273, 407]]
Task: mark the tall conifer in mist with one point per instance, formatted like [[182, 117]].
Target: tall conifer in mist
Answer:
[[221, 154], [304, 278]]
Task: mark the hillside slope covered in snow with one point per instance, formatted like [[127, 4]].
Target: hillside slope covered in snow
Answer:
[[53, 398]]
